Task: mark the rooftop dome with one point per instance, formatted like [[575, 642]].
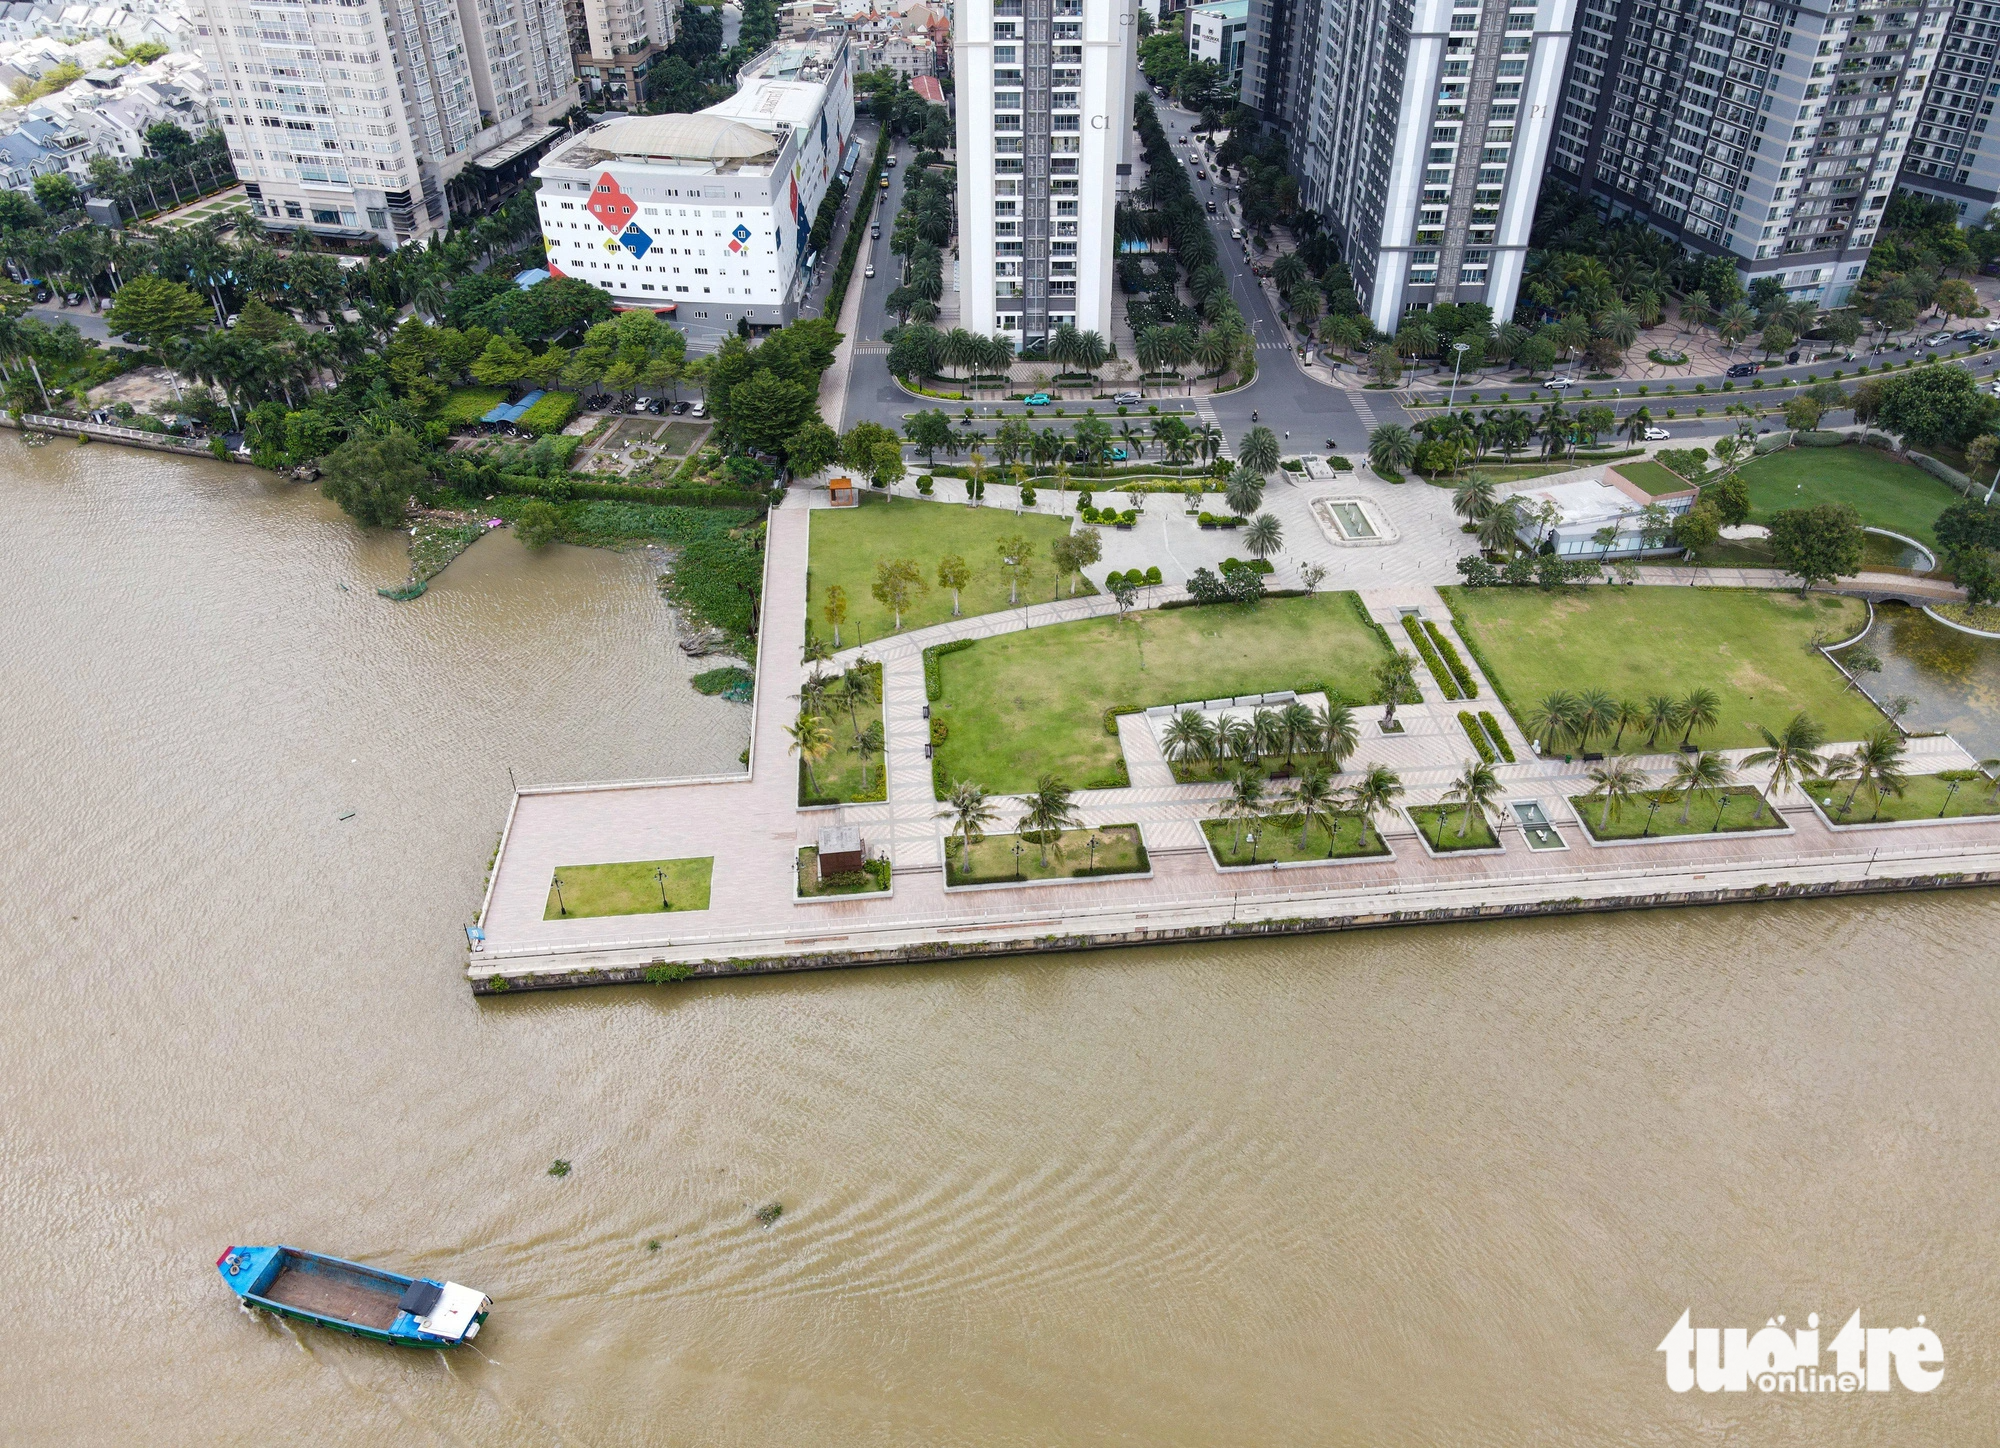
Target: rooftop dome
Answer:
[[689, 138]]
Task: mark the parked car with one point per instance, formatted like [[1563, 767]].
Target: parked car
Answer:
[[869, 270], [1744, 369], [1942, 339], [700, 409], [875, 231], [1968, 335], [885, 183], [1657, 434], [1994, 325], [1127, 399], [656, 405], [1037, 399], [681, 407]]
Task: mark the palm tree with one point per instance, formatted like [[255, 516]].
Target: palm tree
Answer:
[[1339, 736], [1501, 527], [1636, 425], [1259, 451], [860, 684], [1476, 789], [1051, 810], [1394, 676], [1244, 491], [1188, 738], [1596, 711], [1876, 762], [1703, 773], [1378, 789], [1699, 709], [1552, 722], [970, 812], [1269, 727], [1314, 798], [1661, 711], [812, 741], [1245, 803], [1614, 783], [1235, 739], [1474, 498], [1207, 441], [1296, 721], [1630, 716], [1792, 753], [1391, 446], [1264, 536]]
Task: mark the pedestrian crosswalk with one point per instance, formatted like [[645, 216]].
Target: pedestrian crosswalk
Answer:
[[1204, 409], [1274, 346], [1362, 409]]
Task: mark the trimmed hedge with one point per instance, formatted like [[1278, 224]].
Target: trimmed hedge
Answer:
[[1498, 735], [1821, 439], [933, 675], [1430, 657], [562, 490], [1477, 735], [551, 414], [464, 406], [1945, 473], [1449, 653]]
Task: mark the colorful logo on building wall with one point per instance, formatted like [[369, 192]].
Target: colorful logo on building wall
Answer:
[[610, 205], [636, 241]]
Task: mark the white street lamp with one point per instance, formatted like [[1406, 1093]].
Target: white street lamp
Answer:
[[1461, 348]]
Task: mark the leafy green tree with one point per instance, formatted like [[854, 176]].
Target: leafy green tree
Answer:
[[767, 410], [953, 573], [505, 361], [1259, 452], [929, 432], [1698, 528], [1802, 414], [1818, 544], [1391, 445], [151, 310], [308, 435], [539, 525], [56, 193], [1935, 406], [372, 477], [897, 582], [1730, 497], [812, 447]]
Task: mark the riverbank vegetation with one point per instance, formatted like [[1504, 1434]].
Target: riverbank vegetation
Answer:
[[1753, 652], [1019, 705]]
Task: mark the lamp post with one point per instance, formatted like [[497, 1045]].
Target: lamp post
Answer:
[[1251, 836], [560, 906], [660, 875], [1093, 852], [1461, 348], [1018, 848]]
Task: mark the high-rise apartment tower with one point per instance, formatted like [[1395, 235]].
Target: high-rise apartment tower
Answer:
[[1418, 132], [1765, 132], [1044, 121], [1954, 152], [349, 117]]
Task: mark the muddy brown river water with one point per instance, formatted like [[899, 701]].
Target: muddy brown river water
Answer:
[[1446, 1186]]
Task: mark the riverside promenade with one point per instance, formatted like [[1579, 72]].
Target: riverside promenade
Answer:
[[752, 826]]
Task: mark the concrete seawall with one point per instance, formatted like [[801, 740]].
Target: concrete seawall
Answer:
[[72, 428], [937, 951]]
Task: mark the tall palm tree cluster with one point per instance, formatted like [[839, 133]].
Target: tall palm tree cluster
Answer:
[[1166, 334], [921, 350], [1569, 719], [1191, 741]]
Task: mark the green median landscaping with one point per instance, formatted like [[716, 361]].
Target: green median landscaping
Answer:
[[1450, 827], [631, 887], [1657, 815], [1079, 854], [1279, 841]]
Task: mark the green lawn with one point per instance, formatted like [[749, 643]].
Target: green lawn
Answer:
[[1877, 552], [1024, 704], [859, 882], [1640, 820], [1924, 797], [1749, 645], [847, 543], [1278, 839], [1656, 479], [629, 888], [1898, 496], [1478, 834], [840, 774], [1119, 851]]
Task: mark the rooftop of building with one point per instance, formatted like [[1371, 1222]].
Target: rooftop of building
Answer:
[[703, 141], [1223, 9]]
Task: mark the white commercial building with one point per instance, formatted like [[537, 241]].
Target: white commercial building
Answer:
[[1044, 126], [1216, 33], [350, 117], [711, 211]]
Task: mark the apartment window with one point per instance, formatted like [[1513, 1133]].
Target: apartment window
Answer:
[[1472, 275], [1465, 22], [1423, 258]]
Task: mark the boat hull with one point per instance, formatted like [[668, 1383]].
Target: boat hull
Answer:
[[349, 1297]]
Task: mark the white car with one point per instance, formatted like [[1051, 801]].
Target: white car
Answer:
[[869, 270], [700, 409], [1657, 434], [1557, 384], [1236, 233], [1942, 339], [1994, 325]]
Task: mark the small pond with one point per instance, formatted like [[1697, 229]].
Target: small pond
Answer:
[[1953, 678]]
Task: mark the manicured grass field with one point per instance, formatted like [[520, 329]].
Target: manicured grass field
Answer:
[[1278, 839], [1024, 704], [1924, 797], [1877, 552], [1887, 494], [1653, 477], [1749, 645], [1639, 820], [1478, 834], [629, 887], [861, 882], [840, 774], [1119, 852], [847, 543]]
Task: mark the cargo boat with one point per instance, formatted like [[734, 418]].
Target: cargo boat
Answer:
[[348, 1297]]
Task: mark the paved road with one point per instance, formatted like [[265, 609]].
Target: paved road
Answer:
[[87, 322]]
